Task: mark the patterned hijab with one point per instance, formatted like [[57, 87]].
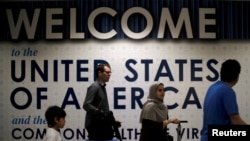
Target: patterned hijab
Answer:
[[154, 108]]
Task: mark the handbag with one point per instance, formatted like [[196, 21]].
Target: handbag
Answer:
[[103, 125], [170, 137]]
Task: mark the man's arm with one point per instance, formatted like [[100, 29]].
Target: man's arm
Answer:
[[237, 120], [90, 96]]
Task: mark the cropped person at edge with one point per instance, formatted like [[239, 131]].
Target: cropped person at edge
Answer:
[[55, 117], [220, 105]]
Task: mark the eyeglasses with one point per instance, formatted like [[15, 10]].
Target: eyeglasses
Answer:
[[107, 72]]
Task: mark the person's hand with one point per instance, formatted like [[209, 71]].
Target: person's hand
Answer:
[[176, 121], [118, 123], [165, 123]]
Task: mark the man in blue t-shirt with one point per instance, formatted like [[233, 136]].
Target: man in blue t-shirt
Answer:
[[220, 104]]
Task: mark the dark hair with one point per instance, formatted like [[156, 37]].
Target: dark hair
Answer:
[[100, 67], [230, 70], [54, 112]]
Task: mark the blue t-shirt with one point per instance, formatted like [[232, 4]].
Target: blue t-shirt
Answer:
[[220, 102]]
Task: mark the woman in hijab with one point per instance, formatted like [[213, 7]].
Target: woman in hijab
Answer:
[[154, 115]]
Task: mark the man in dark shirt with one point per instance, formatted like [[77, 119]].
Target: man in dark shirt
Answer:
[[96, 105]]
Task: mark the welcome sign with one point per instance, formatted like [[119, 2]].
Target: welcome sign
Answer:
[[49, 50], [164, 19]]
